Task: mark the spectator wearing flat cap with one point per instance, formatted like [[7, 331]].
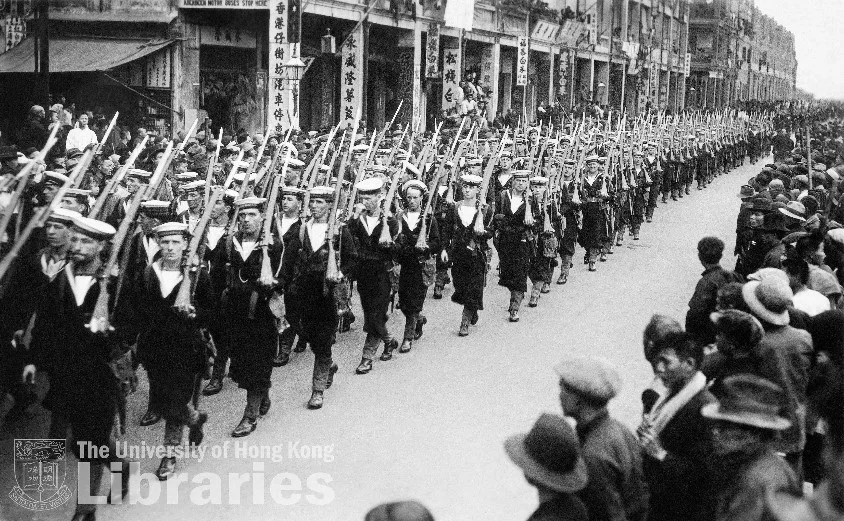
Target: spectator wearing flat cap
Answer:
[[744, 423], [784, 356], [549, 455], [738, 334], [616, 488], [674, 436]]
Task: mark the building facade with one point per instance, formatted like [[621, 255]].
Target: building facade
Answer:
[[738, 54], [247, 64]]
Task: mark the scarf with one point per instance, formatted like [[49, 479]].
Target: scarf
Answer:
[[666, 408]]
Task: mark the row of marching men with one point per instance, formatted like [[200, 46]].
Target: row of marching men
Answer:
[[312, 262]]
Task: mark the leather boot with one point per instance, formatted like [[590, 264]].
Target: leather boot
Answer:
[[215, 385], [534, 294], [420, 323], [546, 288], [389, 346], [464, 322], [316, 400], [516, 298], [249, 422], [564, 276], [619, 237], [410, 322], [151, 417], [166, 469], [474, 319], [195, 433], [439, 283], [406, 346]]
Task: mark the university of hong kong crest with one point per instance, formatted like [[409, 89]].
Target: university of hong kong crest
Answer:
[[40, 467]]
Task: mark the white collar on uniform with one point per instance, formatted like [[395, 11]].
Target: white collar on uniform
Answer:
[[412, 219], [245, 248], [51, 267], [286, 223], [215, 233], [79, 284], [167, 279], [316, 234], [466, 214], [369, 223]]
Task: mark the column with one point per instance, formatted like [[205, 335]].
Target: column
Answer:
[[551, 75], [417, 120], [492, 101], [185, 70]]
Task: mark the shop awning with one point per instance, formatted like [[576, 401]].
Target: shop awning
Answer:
[[80, 54]]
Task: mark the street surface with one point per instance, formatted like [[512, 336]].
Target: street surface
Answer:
[[429, 425]]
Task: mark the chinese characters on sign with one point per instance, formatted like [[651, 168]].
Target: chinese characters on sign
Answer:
[[15, 30], [278, 109], [653, 82], [564, 69], [687, 63], [522, 59], [432, 51], [452, 94], [158, 70], [351, 77]]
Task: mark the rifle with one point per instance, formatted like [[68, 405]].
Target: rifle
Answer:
[[109, 187], [100, 320], [183, 303], [22, 179], [40, 218], [332, 270], [210, 172], [386, 238], [267, 277], [99, 146], [422, 241], [479, 226], [358, 176]]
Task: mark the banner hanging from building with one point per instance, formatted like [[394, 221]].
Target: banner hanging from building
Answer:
[[687, 64], [279, 115], [452, 94], [460, 14], [351, 77], [432, 51], [522, 60], [565, 57]]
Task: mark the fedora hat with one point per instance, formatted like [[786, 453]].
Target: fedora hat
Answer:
[[768, 300], [549, 454], [761, 204], [748, 399], [795, 210], [746, 192]]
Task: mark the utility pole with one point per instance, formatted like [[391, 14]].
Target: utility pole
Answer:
[[42, 52]]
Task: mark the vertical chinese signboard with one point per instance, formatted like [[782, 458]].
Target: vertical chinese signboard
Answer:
[[432, 51], [278, 111], [522, 61], [451, 78], [158, 70], [351, 77], [564, 71]]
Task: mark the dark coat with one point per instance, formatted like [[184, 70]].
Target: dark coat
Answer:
[[469, 264], [703, 302], [741, 491], [82, 386], [564, 507], [250, 325], [515, 243], [679, 485], [303, 274], [412, 288], [174, 353], [594, 225], [616, 490], [372, 271]]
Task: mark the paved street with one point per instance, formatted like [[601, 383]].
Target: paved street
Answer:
[[430, 424]]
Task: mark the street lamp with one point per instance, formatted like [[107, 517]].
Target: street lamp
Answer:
[[295, 69]]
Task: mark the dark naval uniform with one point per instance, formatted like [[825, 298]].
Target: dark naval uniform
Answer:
[[413, 283]]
